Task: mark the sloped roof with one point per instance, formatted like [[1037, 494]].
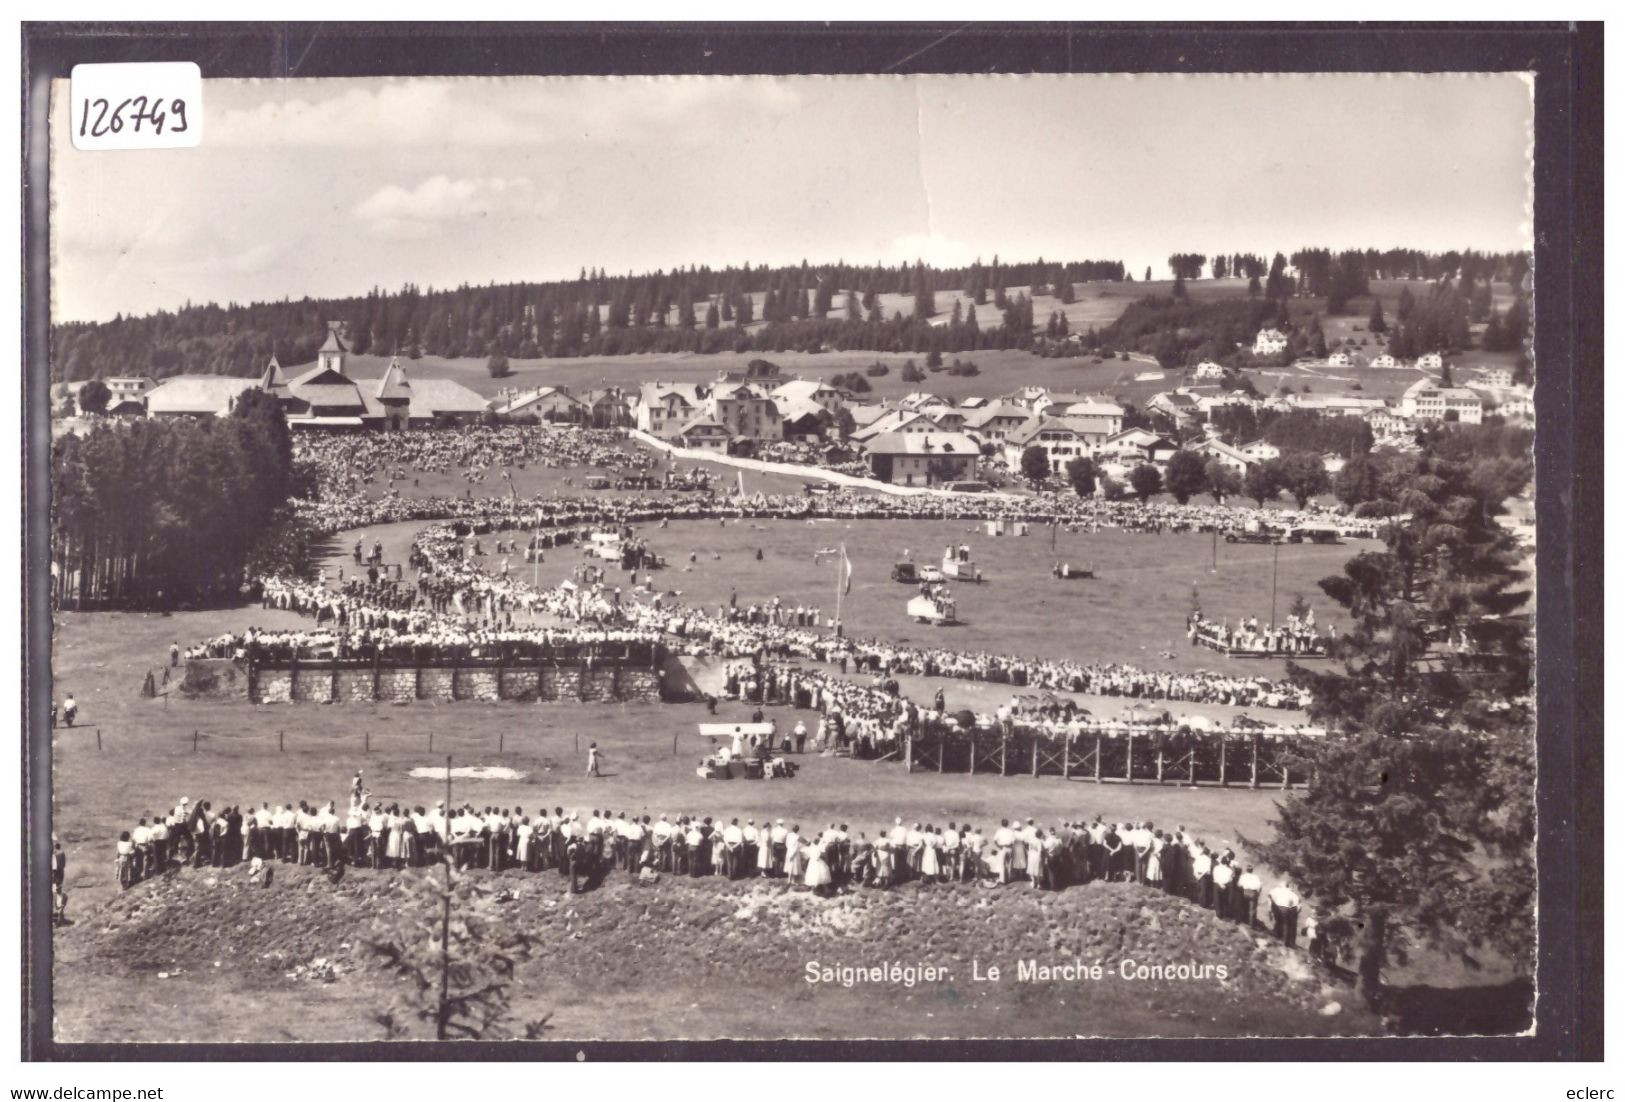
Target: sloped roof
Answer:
[[321, 376], [802, 388], [196, 393], [704, 425], [329, 395], [332, 343], [394, 384], [432, 396], [1093, 407], [1023, 433], [794, 409], [995, 411], [924, 443]]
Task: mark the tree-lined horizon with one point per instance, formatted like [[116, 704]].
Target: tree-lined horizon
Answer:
[[697, 309]]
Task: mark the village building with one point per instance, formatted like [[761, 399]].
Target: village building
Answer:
[[996, 421], [923, 458], [1384, 360], [665, 408], [703, 434], [1213, 449], [1496, 377], [1269, 342], [1259, 451], [547, 403], [1058, 441], [1207, 369], [1176, 405], [1425, 400], [1339, 359], [816, 391], [196, 396], [1430, 361], [1135, 446]]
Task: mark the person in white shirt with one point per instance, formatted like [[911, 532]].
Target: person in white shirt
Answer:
[[1284, 904], [1223, 876], [1250, 886], [1004, 841]]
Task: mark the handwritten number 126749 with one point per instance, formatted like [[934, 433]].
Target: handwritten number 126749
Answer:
[[99, 116]]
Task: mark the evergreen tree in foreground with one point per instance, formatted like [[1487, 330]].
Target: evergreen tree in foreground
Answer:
[[1417, 825]]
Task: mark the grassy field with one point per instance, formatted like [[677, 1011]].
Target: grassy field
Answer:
[[1132, 611]]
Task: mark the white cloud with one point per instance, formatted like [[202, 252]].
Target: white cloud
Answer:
[[484, 112], [405, 214]]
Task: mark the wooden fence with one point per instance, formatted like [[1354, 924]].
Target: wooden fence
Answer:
[[1221, 759]]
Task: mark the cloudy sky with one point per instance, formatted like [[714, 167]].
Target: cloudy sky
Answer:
[[330, 187]]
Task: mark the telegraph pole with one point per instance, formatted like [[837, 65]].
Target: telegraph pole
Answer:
[[1275, 569], [445, 915]]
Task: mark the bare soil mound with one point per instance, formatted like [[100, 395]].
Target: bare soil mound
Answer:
[[678, 935]]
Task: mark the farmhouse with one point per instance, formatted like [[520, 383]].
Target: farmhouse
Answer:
[[996, 421], [196, 396], [1093, 419], [923, 458], [1269, 342], [745, 409], [123, 387], [1215, 449], [1430, 361], [1259, 451], [1174, 404], [1498, 378], [1059, 441], [896, 420], [665, 408], [1384, 360], [1207, 369], [703, 434], [1137, 446], [549, 403], [1339, 359], [816, 391], [804, 419]]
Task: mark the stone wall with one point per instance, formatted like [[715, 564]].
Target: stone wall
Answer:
[[314, 682]]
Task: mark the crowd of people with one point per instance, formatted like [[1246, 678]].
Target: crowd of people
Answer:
[[587, 847], [353, 461]]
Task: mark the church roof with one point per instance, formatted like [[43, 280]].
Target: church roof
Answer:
[[333, 344]]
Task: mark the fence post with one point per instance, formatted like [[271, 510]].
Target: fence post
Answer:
[[431, 741], [1004, 754], [674, 744], [279, 736], [98, 738], [1253, 783], [1066, 757], [367, 747], [1097, 759], [194, 740], [1192, 760], [502, 742], [1128, 770], [1159, 764], [908, 753], [1224, 745], [1286, 777], [942, 752]]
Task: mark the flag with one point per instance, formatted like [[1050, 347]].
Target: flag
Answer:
[[846, 571]]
